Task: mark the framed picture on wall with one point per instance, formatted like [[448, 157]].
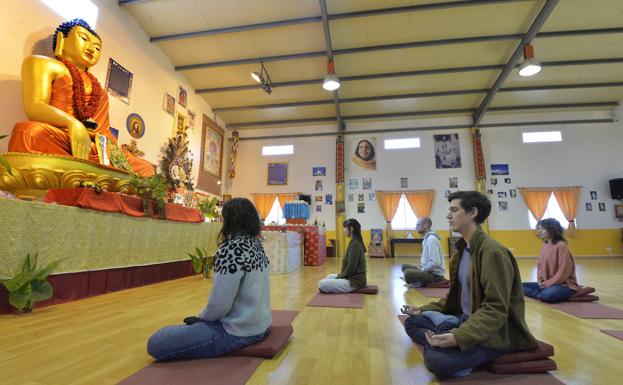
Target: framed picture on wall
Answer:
[[119, 81], [211, 151], [277, 174]]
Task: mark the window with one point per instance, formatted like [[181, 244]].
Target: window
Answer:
[[82, 9], [275, 214], [540, 137], [396, 144], [405, 218], [278, 150], [552, 211]]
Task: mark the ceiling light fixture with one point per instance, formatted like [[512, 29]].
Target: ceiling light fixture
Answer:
[[530, 65], [331, 82], [263, 78]]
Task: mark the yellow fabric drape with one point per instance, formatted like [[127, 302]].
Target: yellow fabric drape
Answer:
[[536, 200], [568, 201], [388, 201], [283, 198], [421, 202], [263, 204]]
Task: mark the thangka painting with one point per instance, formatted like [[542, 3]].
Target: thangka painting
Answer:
[[212, 151]]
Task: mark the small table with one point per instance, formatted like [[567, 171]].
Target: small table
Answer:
[[402, 240]]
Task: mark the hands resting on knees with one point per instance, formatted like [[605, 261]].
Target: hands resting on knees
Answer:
[[410, 310], [444, 340]]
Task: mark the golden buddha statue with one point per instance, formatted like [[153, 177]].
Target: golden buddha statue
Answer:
[[65, 103]]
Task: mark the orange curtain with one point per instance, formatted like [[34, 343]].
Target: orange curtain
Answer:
[[568, 201], [388, 201], [421, 202], [283, 198], [536, 200], [263, 203]]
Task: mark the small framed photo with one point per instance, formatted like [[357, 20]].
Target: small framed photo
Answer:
[[501, 194], [351, 197], [318, 185], [512, 193], [503, 205], [499, 169], [371, 196], [277, 174], [180, 123], [494, 181], [602, 206], [594, 195], [182, 96], [328, 199], [447, 193], [318, 198], [361, 198], [318, 208], [168, 104], [453, 182], [361, 208], [489, 192], [367, 183], [191, 119], [319, 171], [404, 182], [507, 180], [353, 184], [589, 206]]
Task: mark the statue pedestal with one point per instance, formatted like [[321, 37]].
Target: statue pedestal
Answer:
[[33, 174]]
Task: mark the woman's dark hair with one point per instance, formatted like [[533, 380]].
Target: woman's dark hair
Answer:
[[471, 200], [372, 153], [240, 218], [553, 227], [356, 232]]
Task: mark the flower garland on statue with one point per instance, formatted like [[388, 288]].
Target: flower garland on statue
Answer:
[[82, 108]]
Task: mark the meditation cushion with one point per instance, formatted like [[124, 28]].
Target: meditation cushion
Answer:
[[586, 298], [439, 284], [536, 366], [269, 346], [542, 352], [368, 289], [581, 292]]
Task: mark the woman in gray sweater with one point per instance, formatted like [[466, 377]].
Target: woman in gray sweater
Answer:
[[238, 311], [353, 274]]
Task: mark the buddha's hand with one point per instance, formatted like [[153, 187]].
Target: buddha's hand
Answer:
[[80, 140]]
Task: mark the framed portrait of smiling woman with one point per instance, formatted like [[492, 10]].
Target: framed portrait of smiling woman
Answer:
[[364, 153]]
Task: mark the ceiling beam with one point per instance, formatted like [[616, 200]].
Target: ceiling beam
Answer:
[[413, 44], [420, 113], [436, 71], [318, 19], [429, 128], [329, 47], [538, 22], [420, 95]]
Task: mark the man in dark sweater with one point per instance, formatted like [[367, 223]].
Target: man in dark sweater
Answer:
[[482, 317]]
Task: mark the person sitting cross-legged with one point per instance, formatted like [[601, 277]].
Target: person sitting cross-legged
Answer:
[[555, 267], [353, 274], [431, 264], [483, 315]]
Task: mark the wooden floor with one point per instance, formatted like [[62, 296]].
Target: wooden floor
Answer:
[[101, 340]]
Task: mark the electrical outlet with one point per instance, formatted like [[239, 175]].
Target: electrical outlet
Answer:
[[609, 250]]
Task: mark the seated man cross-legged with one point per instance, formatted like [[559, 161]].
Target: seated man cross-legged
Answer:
[[482, 316], [353, 274], [431, 265]]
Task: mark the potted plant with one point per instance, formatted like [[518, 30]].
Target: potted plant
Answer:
[[208, 207], [202, 262], [151, 188], [29, 285]]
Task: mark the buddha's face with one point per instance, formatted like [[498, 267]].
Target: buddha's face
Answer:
[[81, 48]]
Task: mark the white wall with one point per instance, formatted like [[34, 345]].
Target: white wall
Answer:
[[27, 22], [589, 155]]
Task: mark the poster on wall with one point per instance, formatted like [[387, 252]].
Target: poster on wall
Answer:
[[447, 151], [376, 237], [168, 103], [318, 185], [191, 119], [180, 123], [366, 183], [319, 171], [328, 199], [182, 96], [499, 169], [361, 208], [135, 125], [278, 174], [404, 182], [119, 81], [364, 155], [212, 151], [353, 184]]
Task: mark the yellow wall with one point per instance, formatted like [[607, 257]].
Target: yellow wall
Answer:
[[524, 243]]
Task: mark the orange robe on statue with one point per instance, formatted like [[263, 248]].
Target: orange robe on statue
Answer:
[[43, 138]]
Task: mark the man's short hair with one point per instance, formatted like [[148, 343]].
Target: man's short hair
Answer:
[[471, 200], [426, 222]]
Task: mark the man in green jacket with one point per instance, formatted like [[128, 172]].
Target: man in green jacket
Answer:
[[482, 317]]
